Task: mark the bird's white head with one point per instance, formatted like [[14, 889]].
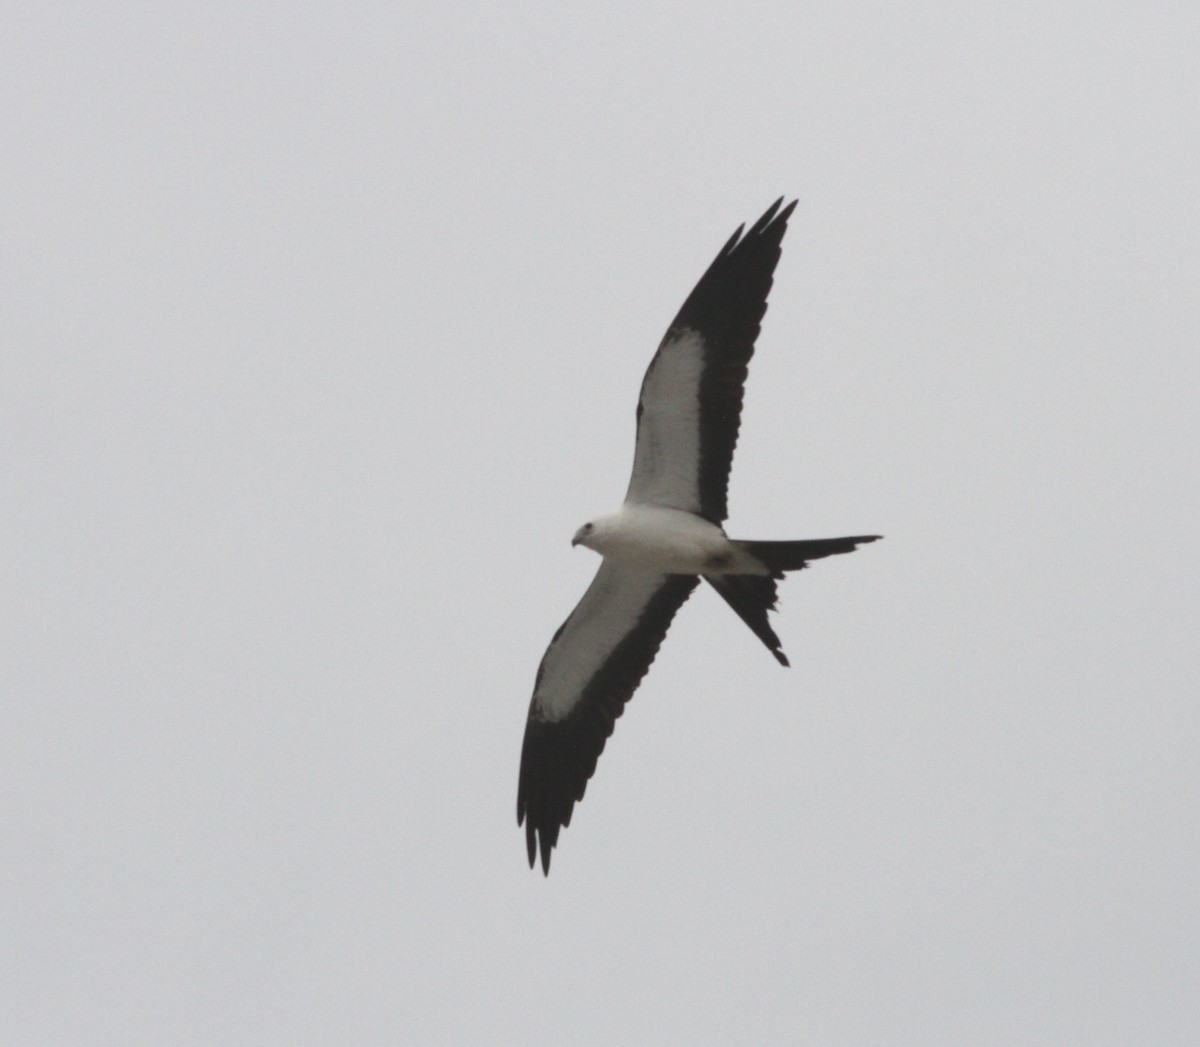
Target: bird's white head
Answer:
[[599, 533], [586, 535]]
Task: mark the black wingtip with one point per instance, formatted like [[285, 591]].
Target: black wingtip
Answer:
[[771, 216], [532, 841], [546, 840], [536, 840], [774, 214], [732, 242]]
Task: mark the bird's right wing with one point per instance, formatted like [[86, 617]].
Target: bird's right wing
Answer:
[[590, 670]]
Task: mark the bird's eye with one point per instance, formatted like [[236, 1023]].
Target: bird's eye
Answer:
[[587, 526]]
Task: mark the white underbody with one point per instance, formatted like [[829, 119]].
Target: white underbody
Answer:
[[668, 541]]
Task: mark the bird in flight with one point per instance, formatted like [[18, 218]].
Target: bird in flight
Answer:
[[664, 538]]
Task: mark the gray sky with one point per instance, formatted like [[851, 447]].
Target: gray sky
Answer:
[[322, 332]]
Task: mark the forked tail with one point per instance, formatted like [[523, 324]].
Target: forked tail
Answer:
[[778, 557], [753, 595]]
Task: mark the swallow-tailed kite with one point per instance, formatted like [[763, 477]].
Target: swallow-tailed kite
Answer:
[[664, 538]]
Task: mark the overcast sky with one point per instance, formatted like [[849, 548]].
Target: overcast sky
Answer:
[[322, 327]]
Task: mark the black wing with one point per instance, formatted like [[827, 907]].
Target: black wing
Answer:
[[691, 399], [590, 670]]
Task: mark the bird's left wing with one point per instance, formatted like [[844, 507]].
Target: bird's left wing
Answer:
[[691, 400], [591, 668]]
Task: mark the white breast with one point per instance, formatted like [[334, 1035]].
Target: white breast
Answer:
[[668, 541]]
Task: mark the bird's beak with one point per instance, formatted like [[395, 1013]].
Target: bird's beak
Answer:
[[574, 541]]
